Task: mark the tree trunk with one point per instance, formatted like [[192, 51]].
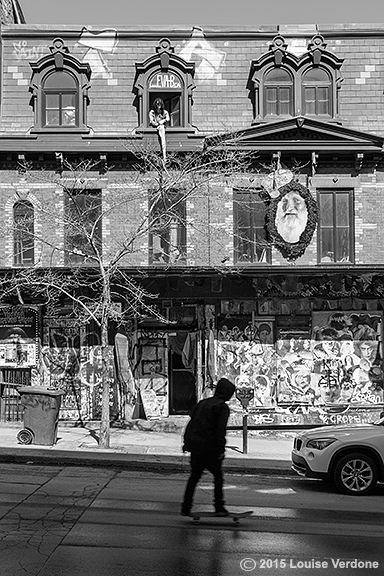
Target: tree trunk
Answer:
[[105, 418]]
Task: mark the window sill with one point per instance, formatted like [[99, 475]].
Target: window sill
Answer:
[[60, 130], [174, 130], [334, 263], [249, 264]]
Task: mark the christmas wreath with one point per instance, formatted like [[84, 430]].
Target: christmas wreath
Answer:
[[292, 250]]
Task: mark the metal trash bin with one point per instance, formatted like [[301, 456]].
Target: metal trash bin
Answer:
[[41, 415]]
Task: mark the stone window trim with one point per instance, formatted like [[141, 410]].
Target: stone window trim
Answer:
[[278, 57], [161, 75], [80, 73]]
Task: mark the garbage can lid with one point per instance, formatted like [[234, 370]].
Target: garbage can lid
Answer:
[[40, 390]]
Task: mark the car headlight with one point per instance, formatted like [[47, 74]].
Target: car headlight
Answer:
[[321, 443]]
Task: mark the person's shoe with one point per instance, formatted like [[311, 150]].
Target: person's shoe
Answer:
[[221, 511], [185, 511]]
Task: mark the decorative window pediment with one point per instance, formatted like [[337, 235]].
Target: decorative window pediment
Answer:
[[283, 85], [167, 76], [59, 87]]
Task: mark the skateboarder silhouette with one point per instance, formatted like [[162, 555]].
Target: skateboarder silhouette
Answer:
[[204, 438]]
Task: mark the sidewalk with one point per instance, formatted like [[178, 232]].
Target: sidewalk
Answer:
[[145, 449]]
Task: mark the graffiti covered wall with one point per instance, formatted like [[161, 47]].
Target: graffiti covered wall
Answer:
[[73, 363], [305, 377]]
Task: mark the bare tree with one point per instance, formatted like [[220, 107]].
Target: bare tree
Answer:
[[76, 262]]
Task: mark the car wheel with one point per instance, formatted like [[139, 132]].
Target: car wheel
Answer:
[[355, 474]]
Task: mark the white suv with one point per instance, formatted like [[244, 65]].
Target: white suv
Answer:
[[350, 456]]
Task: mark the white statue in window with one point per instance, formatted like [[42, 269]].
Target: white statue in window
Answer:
[[159, 118], [69, 115]]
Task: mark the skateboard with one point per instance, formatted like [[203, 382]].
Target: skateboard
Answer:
[[236, 516]]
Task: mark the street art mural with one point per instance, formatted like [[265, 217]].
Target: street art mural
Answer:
[[72, 362], [347, 356], [307, 376], [209, 60], [98, 45], [151, 372]]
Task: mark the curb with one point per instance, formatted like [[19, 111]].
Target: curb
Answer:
[[149, 462]]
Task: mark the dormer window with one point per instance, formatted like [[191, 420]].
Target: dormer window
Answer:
[[59, 87], [170, 88], [167, 76], [60, 100], [283, 85], [278, 92], [316, 86]]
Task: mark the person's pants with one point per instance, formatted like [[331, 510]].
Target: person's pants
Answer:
[[199, 463]]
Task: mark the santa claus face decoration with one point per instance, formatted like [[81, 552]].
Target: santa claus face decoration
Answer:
[[292, 219]]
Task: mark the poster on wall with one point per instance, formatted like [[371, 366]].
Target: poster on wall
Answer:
[[152, 375], [19, 336], [245, 355], [347, 356], [305, 375], [70, 364]]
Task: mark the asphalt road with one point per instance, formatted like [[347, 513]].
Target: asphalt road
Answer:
[[69, 521]]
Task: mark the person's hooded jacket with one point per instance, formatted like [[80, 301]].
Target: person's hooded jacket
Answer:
[[206, 430]]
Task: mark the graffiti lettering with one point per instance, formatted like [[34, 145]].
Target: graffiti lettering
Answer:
[[341, 419], [291, 419], [258, 419], [22, 52], [164, 81]]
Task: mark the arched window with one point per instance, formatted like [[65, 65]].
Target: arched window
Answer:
[[60, 100], [283, 84], [316, 92], [170, 88], [59, 87], [23, 233], [278, 93], [167, 76]]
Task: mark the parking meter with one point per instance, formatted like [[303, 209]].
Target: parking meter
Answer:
[[245, 394]]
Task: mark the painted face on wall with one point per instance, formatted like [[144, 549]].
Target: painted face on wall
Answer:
[[291, 217], [368, 350], [329, 389]]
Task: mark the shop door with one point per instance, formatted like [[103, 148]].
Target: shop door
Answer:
[[182, 381]]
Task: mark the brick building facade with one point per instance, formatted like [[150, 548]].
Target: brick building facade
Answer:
[[295, 315]]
